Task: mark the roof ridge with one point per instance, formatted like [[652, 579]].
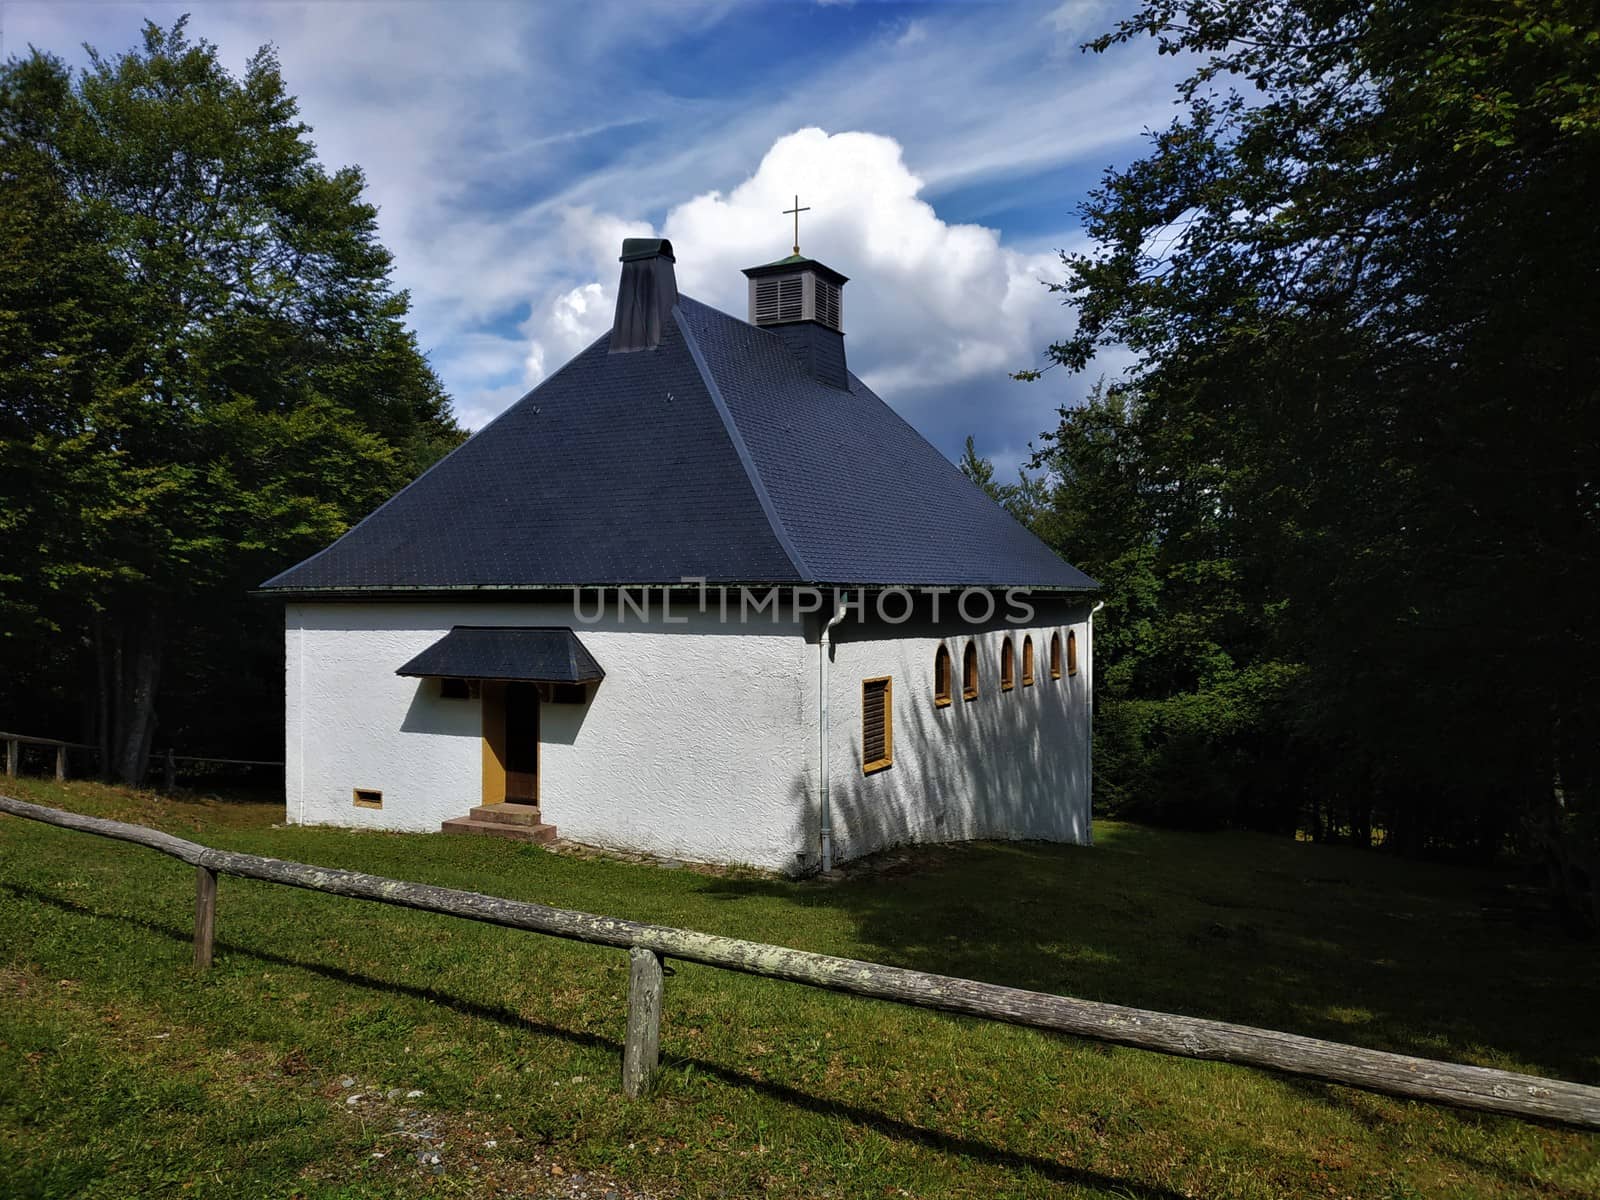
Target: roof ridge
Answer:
[[768, 508]]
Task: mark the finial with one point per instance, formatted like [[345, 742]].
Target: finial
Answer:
[[796, 210]]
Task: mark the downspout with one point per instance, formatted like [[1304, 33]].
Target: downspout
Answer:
[[300, 714], [1089, 758], [826, 811]]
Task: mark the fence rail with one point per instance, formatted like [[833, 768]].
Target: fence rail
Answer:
[[15, 741], [1479, 1088]]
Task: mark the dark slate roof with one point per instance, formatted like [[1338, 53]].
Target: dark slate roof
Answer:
[[713, 455], [862, 495], [544, 655]]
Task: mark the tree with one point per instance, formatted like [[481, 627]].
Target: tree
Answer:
[[1024, 499], [1187, 678], [206, 372], [1359, 277]]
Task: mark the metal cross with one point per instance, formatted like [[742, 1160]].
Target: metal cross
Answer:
[[796, 210]]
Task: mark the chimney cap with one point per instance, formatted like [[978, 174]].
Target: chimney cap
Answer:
[[634, 249], [797, 262]]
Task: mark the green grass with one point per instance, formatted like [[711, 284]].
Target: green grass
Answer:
[[123, 1071]]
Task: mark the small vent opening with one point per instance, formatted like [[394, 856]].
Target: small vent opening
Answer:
[[779, 300], [828, 304], [368, 798]]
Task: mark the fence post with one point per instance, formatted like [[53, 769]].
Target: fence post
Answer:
[[205, 914], [61, 763], [169, 777], [641, 1049], [12, 746]]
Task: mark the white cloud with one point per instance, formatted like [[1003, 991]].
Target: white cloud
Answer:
[[930, 303]]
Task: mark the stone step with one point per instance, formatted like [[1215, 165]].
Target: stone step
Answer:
[[509, 813], [515, 833]]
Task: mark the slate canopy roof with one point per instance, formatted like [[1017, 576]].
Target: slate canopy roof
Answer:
[[715, 454], [536, 654]]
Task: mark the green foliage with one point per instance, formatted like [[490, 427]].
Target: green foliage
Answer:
[[1188, 682], [204, 371], [1352, 473], [1025, 500], [123, 1072]]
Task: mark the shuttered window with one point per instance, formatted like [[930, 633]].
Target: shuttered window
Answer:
[[1008, 666], [779, 300], [1055, 656], [969, 673], [1027, 661], [1072, 652], [827, 303], [942, 670], [877, 724]]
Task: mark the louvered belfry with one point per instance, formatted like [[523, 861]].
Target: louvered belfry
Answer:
[[802, 301]]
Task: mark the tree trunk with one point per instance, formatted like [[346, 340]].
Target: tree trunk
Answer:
[[102, 698], [130, 648]]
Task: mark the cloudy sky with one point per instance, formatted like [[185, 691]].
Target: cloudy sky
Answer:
[[943, 149]]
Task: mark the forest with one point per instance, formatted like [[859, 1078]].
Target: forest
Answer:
[[1344, 503]]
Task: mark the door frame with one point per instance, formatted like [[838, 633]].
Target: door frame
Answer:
[[493, 701]]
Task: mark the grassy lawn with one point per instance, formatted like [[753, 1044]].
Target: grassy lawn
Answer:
[[124, 1072]]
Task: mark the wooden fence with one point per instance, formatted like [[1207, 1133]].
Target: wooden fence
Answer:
[[1480, 1088], [16, 741], [169, 761]]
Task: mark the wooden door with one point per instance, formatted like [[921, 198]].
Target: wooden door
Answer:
[[522, 743]]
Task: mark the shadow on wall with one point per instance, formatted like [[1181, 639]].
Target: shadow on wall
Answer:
[[560, 724], [1007, 765], [429, 712]]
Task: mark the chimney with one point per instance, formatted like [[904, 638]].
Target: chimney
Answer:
[[645, 296], [802, 302]]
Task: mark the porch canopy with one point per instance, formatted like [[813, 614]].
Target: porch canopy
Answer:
[[536, 655]]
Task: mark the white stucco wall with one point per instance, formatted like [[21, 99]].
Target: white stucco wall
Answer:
[[694, 745], [701, 742], [1006, 765]]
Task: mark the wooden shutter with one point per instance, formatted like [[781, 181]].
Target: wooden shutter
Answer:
[[969, 673], [1027, 661], [1008, 666], [941, 677], [877, 724], [1072, 652]]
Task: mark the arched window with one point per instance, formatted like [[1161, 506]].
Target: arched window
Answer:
[[1072, 652], [1055, 656], [1027, 661], [941, 677], [969, 673], [1008, 666]]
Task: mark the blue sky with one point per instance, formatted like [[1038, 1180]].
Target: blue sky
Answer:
[[944, 149]]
